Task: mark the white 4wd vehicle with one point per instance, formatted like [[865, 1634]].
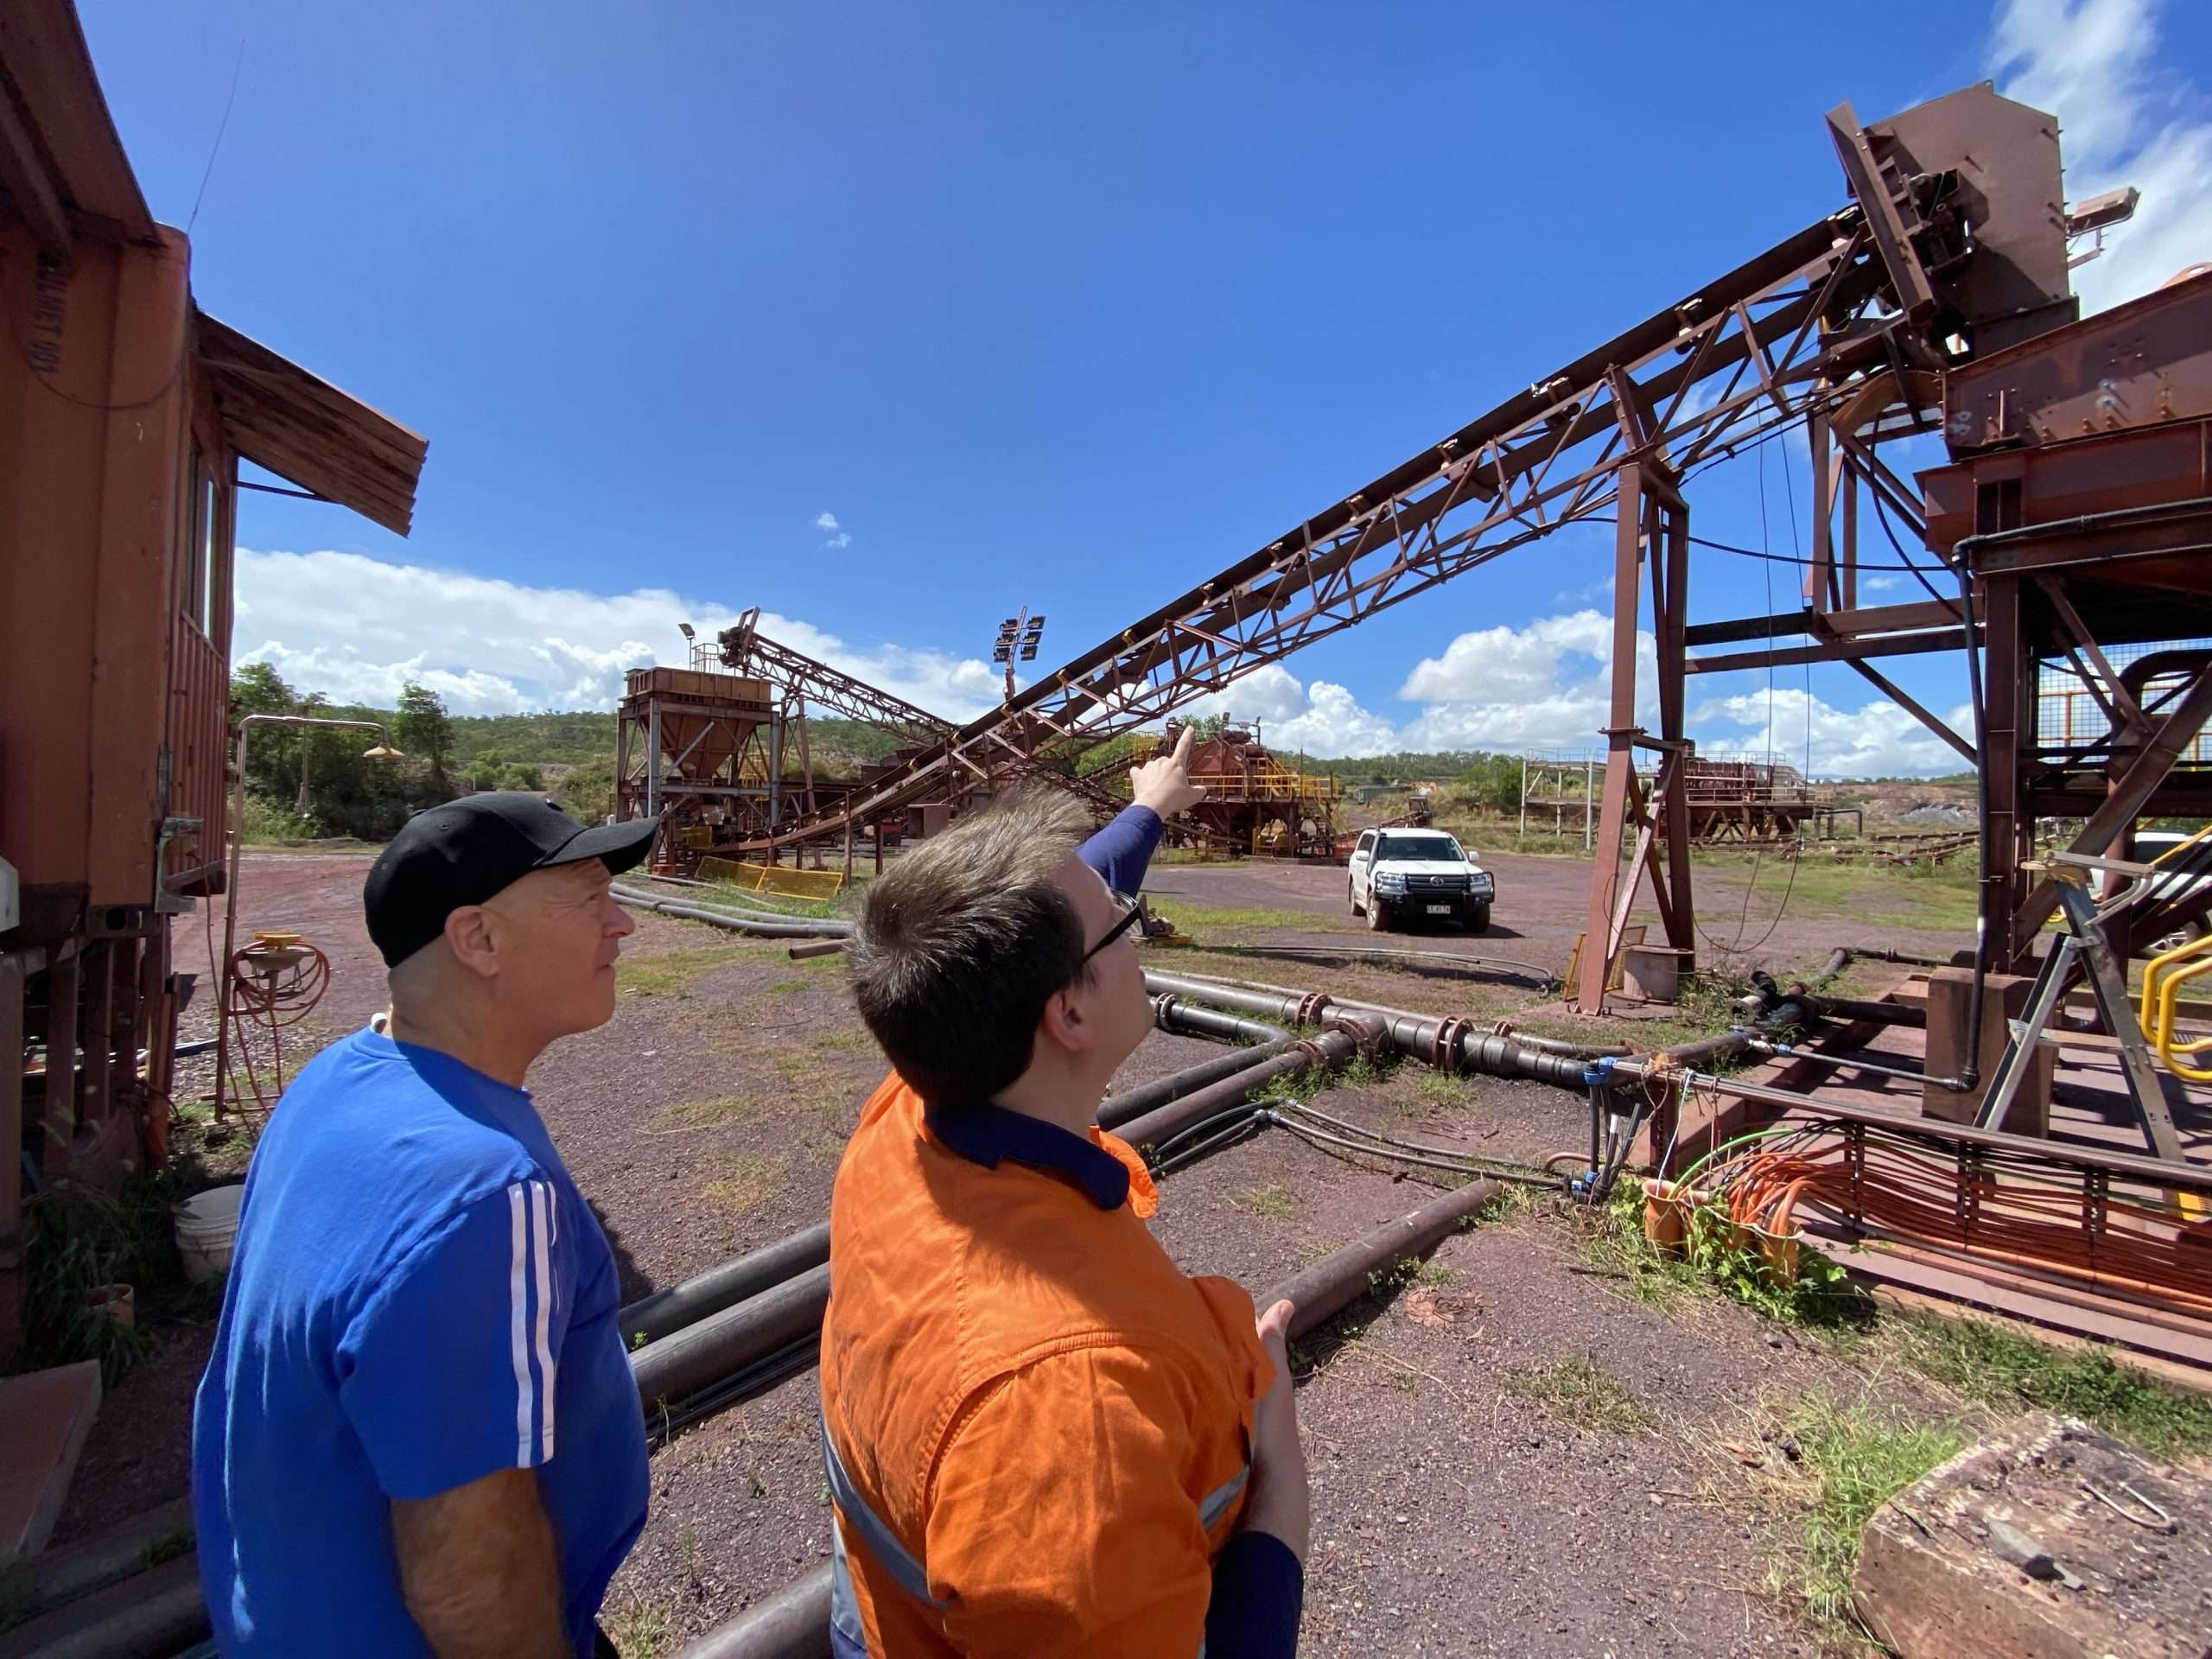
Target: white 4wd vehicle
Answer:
[[1418, 874]]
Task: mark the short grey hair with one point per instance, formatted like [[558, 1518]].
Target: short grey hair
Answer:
[[962, 944]]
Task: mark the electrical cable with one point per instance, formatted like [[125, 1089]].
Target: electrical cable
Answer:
[[1256, 1118], [1467, 1163], [1778, 558]]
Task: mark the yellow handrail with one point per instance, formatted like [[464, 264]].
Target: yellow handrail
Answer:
[[2181, 846], [2156, 970]]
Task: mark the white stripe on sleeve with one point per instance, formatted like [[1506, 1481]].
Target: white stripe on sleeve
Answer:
[[517, 1321], [540, 1195]]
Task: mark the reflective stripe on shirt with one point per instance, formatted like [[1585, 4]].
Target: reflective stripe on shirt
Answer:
[[908, 1573]]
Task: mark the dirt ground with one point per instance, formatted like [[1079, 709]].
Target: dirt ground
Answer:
[[1460, 1508]]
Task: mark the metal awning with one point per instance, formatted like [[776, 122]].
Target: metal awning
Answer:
[[302, 427]]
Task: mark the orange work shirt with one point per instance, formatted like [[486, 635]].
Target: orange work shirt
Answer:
[[1038, 1427]]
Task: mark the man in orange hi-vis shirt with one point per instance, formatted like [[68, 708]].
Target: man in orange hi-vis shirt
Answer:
[[1041, 1437]]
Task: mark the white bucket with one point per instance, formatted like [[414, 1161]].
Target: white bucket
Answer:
[[208, 1231]]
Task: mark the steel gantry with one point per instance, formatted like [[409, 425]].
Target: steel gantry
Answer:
[[1951, 249]]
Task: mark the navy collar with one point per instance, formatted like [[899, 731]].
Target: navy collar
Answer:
[[987, 1135]]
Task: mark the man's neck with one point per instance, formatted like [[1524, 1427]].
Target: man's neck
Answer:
[[1062, 1100], [504, 1057]]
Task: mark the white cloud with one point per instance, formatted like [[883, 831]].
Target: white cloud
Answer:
[[2126, 117], [826, 521], [1321, 719], [357, 629], [1601, 588], [1880, 584], [1547, 686], [1334, 725], [1879, 740], [838, 538]]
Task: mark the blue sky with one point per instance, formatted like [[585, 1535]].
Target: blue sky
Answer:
[[1067, 305]]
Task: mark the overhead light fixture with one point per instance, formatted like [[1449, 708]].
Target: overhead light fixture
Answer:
[[684, 628]]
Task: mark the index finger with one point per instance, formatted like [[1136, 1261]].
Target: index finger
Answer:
[[1183, 744]]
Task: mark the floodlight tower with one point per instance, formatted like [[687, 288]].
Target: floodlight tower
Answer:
[[1017, 642]]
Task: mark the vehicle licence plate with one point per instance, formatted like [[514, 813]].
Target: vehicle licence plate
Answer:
[[1439, 910]]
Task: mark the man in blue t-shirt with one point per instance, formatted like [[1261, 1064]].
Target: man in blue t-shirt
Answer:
[[418, 1432]]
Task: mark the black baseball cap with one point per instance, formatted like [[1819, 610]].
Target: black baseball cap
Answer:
[[467, 851]]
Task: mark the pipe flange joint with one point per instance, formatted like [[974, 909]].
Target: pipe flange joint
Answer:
[[1370, 1036], [1449, 1031], [1311, 1007], [1163, 1009]]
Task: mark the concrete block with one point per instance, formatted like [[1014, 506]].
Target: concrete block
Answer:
[[1950, 999], [47, 1414], [2006, 1552]]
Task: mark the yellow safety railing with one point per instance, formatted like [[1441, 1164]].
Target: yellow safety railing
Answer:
[[773, 878], [2164, 976]]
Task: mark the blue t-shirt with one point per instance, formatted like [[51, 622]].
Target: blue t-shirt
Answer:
[[420, 1296]]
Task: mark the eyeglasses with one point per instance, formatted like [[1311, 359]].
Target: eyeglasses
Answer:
[[1131, 911]]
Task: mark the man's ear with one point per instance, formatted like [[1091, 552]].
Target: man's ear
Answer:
[[468, 934], [1062, 1024]]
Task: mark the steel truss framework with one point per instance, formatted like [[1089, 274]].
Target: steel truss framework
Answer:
[[1855, 328], [1750, 346]]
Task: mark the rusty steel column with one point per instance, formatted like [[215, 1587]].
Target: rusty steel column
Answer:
[[1620, 747], [1672, 544], [13, 978], [2004, 676]]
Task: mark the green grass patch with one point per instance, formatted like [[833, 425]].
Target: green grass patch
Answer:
[[1580, 1392], [671, 974], [719, 895], [1939, 897], [787, 987], [721, 1108], [1201, 919], [1439, 1090], [1860, 1457], [1821, 1298], [744, 1182], [1274, 1202], [641, 1629], [2008, 1370]]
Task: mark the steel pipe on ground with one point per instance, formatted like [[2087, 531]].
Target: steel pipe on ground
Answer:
[[1416, 1034], [665, 1312], [1172, 1013], [762, 927], [1116, 1110], [1330, 1048], [63, 1575], [712, 1348], [720, 907], [147, 1616], [1459, 961], [1337, 1280], [794, 1623]]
